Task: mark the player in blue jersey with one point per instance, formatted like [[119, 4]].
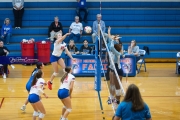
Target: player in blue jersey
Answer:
[[39, 65]]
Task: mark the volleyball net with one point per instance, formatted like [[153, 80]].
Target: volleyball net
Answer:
[[104, 59]]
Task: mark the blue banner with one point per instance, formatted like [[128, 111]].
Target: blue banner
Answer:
[[17, 60]]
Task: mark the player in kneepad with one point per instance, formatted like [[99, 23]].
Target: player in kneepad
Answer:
[[39, 66], [59, 48], [117, 53], [65, 91], [37, 87]]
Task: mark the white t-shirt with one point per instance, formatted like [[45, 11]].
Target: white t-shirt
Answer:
[[76, 27], [59, 48], [18, 3], [66, 83], [37, 89]]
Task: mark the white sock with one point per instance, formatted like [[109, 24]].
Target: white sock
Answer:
[[63, 118], [111, 96]]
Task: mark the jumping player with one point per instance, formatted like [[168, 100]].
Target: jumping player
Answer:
[[37, 88], [116, 52], [65, 91], [39, 65], [59, 47]]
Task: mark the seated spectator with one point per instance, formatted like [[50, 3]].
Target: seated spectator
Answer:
[[4, 52], [133, 107], [81, 6], [85, 49], [95, 28], [76, 30], [55, 27], [133, 49], [6, 31], [72, 48], [18, 10]]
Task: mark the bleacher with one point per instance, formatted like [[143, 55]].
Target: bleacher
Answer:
[[152, 24]]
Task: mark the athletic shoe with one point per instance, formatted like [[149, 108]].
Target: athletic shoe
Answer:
[[49, 85], [19, 27], [110, 101], [12, 66], [23, 108], [4, 76]]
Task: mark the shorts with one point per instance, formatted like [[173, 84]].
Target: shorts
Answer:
[[54, 58], [63, 93], [119, 71], [33, 98]]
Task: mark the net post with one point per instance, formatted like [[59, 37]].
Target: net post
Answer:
[[98, 68]]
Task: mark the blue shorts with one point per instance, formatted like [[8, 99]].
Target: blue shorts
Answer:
[[54, 58], [33, 98], [63, 93]]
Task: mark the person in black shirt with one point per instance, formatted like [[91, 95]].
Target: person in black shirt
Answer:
[[55, 27], [85, 49], [72, 48], [4, 52]]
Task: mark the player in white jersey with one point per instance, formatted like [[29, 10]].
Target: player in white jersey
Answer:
[[59, 47], [39, 65], [36, 91], [65, 91]]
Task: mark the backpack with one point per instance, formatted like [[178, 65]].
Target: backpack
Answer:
[[146, 49]]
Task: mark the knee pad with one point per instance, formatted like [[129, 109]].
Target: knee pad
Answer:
[[64, 107], [112, 87], [118, 92], [36, 113], [55, 74], [41, 115], [69, 110]]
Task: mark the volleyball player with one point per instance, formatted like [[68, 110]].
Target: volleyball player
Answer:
[[39, 65], [59, 47], [116, 52], [65, 91], [36, 91]]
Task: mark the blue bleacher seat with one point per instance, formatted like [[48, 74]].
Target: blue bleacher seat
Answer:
[[159, 29]]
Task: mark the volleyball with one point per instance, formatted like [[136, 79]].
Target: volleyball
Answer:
[[87, 29], [43, 42]]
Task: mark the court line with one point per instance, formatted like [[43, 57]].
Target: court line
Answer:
[[95, 97], [2, 102]]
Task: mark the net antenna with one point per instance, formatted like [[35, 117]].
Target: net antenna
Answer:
[[111, 60]]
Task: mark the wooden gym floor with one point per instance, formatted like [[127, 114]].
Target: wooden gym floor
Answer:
[[159, 86]]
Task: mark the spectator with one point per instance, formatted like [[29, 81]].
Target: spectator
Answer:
[[4, 52], [133, 107], [18, 10], [76, 30], [95, 28], [85, 49], [6, 31], [55, 27], [81, 6], [72, 48], [133, 49]]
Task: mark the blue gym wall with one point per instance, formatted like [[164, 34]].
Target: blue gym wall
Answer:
[[152, 24]]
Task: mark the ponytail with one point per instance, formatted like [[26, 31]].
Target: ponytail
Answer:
[[63, 77], [36, 76], [67, 70]]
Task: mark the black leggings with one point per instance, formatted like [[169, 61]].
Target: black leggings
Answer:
[[18, 14], [5, 69]]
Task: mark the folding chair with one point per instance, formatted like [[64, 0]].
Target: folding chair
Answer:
[[142, 60], [178, 63]]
